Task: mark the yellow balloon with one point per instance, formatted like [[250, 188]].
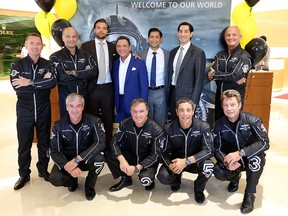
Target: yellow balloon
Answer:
[[248, 28], [65, 9], [44, 22], [241, 12]]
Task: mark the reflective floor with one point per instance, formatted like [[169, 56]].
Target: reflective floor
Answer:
[[42, 199]]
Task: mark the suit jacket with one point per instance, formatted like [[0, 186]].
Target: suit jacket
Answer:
[[136, 82], [143, 55], [191, 75], [90, 47]]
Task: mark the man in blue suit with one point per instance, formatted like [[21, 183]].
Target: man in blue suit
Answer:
[[129, 77]]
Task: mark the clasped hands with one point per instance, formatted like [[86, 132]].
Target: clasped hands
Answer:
[[231, 161], [177, 165], [72, 168]]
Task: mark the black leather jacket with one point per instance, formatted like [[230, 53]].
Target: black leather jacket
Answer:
[[197, 142], [62, 61], [250, 135], [66, 143], [231, 68], [145, 146]]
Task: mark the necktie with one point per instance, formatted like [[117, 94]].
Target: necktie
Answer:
[[102, 64], [178, 64], [153, 71]]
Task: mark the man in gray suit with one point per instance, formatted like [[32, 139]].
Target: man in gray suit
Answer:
[[156, 59], [186, 69]]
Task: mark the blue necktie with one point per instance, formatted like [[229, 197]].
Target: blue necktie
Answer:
[[153, 71]]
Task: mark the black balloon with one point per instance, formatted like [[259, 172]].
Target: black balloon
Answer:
[[257, 48], [46, 5], [252, 3], [57, 29]]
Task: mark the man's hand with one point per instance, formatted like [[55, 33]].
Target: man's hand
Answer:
[[70, 166], [241, 81], [20, 82], [177, 165], [210, 74], [76, 172], [231, 160], [48, 75], [124, 165]]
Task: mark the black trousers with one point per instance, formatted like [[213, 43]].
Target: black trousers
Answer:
[[204, 171], [253, 168], [27, 118], [102, 98], [60, 177], [146, 176]]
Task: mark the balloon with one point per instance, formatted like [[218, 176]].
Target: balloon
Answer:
[[46, 5], [248, 28], [43, 22], [57, 29], [252, 3], [257, 48], [65, 8], [241, 12]]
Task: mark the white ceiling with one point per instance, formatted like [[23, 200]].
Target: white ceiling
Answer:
[[31, 5]]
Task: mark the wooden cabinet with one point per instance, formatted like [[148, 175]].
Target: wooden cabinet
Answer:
[[258, 95]]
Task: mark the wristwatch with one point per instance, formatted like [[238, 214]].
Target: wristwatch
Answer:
[[136, 171], [76, 160], [187, 161], [242, 153], [70, 72], [31, 83]]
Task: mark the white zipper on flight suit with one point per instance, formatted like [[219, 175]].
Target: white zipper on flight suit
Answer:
[[34, 97], [75, 66], [137, 143], [186, 138]]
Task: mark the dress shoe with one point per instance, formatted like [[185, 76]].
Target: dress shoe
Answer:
[[74, 185], [45, 175], [175, 188], [199, 196], [21, 182], [150, 187], [233, 185], [248, 203], [89, 193], [125, 181]]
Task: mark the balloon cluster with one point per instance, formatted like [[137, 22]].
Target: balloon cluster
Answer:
[[243, 17], [257, 48], [46, 22]]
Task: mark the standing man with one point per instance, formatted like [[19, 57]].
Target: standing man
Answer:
[[188, 147], [130, 78], [230, 68], [140, 156], [186, 69], [100, 89], [73, 67], [240, 142], [156, 60], [32, 81], [77, 141]]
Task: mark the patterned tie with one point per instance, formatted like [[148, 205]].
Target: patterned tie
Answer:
[[153, 71], [102, 64], [178, 64]]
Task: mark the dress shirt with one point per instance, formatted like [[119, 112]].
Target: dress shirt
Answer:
[[105, 47], [123, 66], [160, 65], [186, 47]]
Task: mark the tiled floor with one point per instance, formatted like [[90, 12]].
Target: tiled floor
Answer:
[[42, 199]]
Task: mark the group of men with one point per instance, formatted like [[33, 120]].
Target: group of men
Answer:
[[99, 76]]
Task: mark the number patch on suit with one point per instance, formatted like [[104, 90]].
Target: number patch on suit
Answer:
[[254, 164]]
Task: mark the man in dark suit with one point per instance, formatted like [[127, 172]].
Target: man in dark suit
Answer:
[[186, 74], [157, 101], [129, 77], [100, 89]]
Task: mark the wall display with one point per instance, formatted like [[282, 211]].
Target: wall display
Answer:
[[13, 31]]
